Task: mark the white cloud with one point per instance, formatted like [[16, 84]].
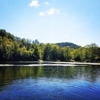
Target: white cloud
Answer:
[[53, 11], [46, 3], [50, 12], [41, 14], [34, 3]]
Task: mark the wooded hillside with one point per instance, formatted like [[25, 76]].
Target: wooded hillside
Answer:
[[13, 48]]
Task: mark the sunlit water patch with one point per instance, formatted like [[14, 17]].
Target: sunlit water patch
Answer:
[[50, 83]]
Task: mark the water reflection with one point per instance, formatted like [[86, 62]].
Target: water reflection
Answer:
[[50, 83], [89, 73]]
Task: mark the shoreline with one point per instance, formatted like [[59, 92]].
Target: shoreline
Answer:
[[45, 63]]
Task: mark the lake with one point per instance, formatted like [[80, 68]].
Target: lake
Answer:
[[50, 82]]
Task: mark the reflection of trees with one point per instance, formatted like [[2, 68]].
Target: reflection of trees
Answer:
[[89, 73], [8, 74], [92, 73]]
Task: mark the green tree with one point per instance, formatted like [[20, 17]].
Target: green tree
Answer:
[[54, 52], [47, 52], [67, 53], [36, 53], [7, 48]]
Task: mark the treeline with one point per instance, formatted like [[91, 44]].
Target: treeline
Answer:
[[13, 48]]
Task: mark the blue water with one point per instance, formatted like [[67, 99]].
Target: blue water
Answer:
[[50, 83]]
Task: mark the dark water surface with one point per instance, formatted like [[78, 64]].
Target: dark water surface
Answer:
[[50, 82]]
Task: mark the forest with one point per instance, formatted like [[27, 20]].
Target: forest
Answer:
[[13, 48]]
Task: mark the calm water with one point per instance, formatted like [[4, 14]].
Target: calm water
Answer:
[[50, 83]]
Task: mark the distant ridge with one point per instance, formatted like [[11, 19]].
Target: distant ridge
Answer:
[[71, 45]]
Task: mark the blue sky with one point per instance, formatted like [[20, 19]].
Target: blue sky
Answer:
[[51, 21]]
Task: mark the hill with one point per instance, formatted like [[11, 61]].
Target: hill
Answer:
[[71, 45]]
